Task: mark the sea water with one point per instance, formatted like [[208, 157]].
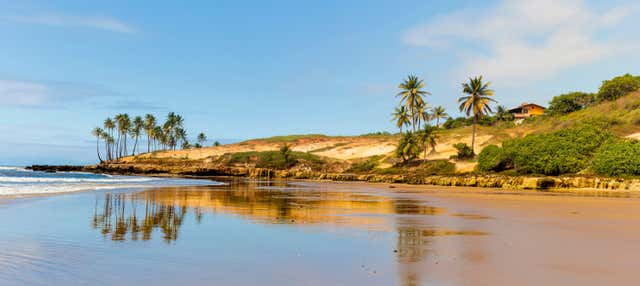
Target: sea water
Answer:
[[20, 181]]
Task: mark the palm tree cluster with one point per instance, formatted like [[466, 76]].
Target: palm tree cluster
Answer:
[[121, 135], [415, 117], [414, 113], [414, 110]]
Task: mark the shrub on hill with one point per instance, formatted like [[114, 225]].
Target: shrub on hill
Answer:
[[562, 152], [618, 86], [493, 159], [620, 158], [464, 151], [281, 159], [458, 122], [365, 166], [570, 102]]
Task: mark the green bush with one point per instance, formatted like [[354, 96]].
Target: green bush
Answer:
[[618, 86], [464, 151], [282, 159], [365, 166], [493, 159], [620, 158], [570, 102], [560, 152]]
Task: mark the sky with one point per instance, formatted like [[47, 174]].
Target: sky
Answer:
[[245, 69]]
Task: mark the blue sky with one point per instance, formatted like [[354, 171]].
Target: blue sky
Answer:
[[246, 69]]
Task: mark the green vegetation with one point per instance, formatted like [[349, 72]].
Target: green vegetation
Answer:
[[408, 147], [570, 102], [567, 151], [365, 166], [416, 168], [618, 86], [464, 152], [280, 160], [620, 158], [493, 159]]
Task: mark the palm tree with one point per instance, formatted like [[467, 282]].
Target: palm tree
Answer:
[[420, 114], [123, 125], [411, 95], [158, 136], [201, 138], [476, 103], [181, 135], [428, 137], [502, 114], [97, 132], [135, 131], [149, 126], [109, 125], [439, 113], [401, 117], [108, 141]]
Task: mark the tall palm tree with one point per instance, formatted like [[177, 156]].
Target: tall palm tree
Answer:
[[476, 102], [123, 124], [428, 137], [411, 95], [109, 126], [420, 114], [108, 141], [439, 113], [158, 136], [97, 132], [401, 117], [135, 131], [149, 126]]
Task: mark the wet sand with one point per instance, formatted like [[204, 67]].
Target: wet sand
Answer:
[[312, 233]]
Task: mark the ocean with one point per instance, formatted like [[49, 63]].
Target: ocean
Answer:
[[20, 181]]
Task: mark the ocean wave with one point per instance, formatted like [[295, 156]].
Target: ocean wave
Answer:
[[12, 168], [70, 180], [27, 189]]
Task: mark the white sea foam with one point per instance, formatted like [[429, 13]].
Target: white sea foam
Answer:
[[19, 181], [69, 180]]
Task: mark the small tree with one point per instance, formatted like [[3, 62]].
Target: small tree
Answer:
[[408, 147], [464, 151], [216, 144], [285, 151], [570, 102], [201, 139], [618, 86]]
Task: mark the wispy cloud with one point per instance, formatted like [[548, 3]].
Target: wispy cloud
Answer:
[[58, 19], [525, 41], [60, 95]]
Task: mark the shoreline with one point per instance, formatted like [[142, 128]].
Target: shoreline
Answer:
[[518, 184]]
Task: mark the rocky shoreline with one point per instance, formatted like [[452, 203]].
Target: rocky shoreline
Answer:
[[463, 180]]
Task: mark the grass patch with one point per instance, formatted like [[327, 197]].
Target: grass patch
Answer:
[[274, 159]]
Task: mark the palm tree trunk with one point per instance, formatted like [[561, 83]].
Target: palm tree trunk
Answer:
[[135, 144], [148, 143], [473, 135], [98, 148]]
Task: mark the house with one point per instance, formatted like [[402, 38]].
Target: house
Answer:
[[527, 110]]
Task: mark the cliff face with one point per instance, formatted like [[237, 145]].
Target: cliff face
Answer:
[[486, 181]]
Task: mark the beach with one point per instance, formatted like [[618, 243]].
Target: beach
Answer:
[[317, 233]]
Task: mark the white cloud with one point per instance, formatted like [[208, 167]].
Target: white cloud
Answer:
[[95, 22], [23, 93], [523, 41]]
